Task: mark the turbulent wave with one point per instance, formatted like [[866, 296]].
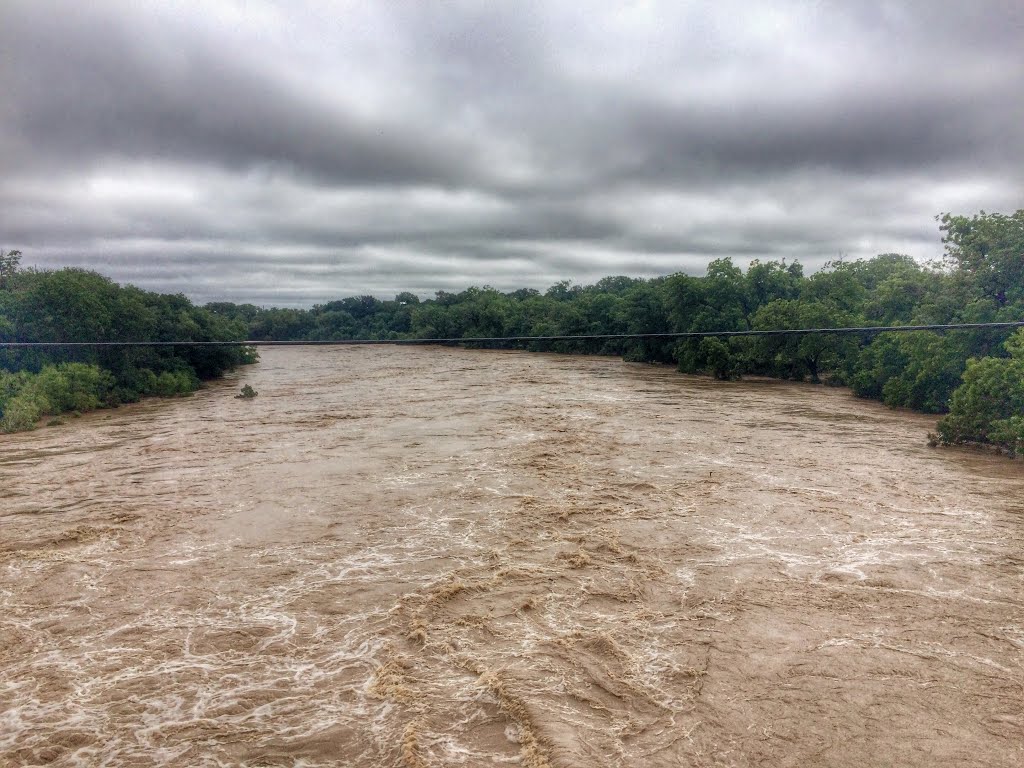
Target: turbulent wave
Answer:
[[426, 557]]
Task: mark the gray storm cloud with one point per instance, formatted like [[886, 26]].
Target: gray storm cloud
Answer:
[[290, 153]]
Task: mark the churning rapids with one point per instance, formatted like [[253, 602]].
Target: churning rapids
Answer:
[[433, 557]]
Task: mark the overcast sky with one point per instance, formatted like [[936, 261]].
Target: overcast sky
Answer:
[[288, 153]]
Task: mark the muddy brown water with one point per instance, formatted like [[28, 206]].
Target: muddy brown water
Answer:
[[434, 557]]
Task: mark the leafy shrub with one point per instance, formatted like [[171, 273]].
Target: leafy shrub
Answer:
[[989, 406], [74, 386], [176, 383], [25, 398], [716, 356], [21, 414], [1009, 433], [10, 386], [914, 370]]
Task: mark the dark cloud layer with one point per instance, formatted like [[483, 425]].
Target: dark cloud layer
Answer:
[[289, 153]]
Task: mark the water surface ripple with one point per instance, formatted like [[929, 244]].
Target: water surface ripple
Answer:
[[441, 557]]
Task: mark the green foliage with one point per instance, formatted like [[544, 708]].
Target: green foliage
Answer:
[[989, 406], [982, 280], [1015, 345], [21, 413], [75, 305], [26, 398], [772, 280], [715, 356], [803, 356], [912, 370], [989, 249], [174, 384]]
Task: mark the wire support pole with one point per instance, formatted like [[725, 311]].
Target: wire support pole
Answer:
[[861, 330]]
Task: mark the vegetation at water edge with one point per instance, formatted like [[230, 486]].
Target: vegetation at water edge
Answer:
[[73, 305], [979, 279], [975, 377]]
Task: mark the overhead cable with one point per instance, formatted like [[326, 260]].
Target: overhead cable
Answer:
[[856, 330]]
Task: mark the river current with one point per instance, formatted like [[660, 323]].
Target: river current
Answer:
[[444, 557]]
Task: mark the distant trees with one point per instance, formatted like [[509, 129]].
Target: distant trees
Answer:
[[9, 261], [74, 305], [982, 279], [973, 375]]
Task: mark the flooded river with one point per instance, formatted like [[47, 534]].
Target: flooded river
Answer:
[[440, 557]]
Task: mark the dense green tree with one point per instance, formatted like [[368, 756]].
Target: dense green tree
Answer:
[[838, 287], [523, 294], [246, 313], [895, 300], [718, 358], [912, 370], [772, 280], [728, 302], [800, 356], [988, 407], [642, 309], [989, 248], [616, 285], [74, 305]]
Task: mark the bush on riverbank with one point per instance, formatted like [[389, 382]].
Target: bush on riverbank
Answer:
[[989, 406], [25, 398], [74, 305]]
